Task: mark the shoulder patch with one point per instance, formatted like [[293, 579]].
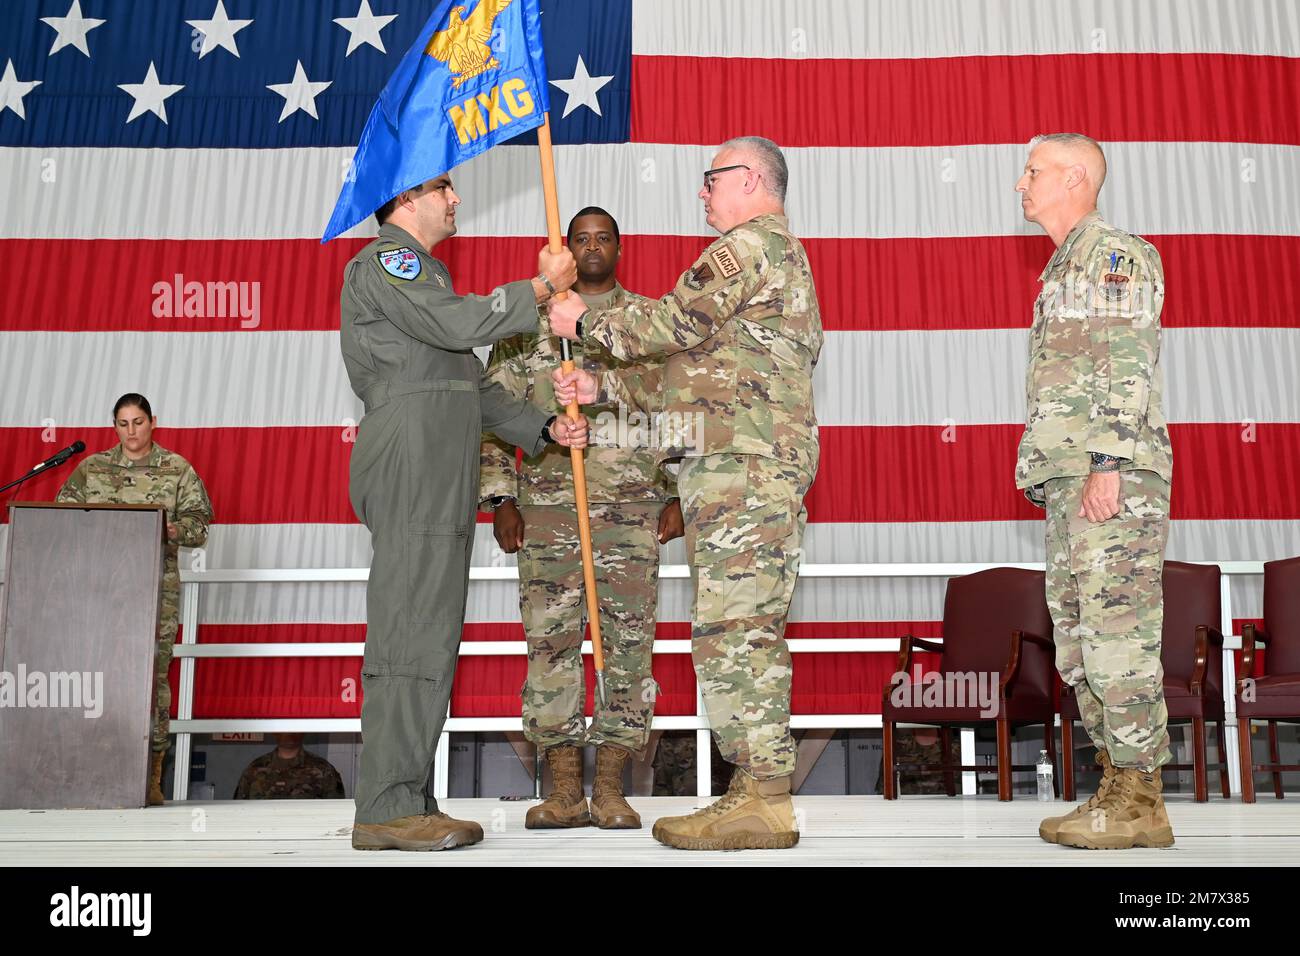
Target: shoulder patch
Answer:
[[724, 257], [699, 277], [402, 263]]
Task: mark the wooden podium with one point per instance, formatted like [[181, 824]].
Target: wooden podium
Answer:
[[78, 635]]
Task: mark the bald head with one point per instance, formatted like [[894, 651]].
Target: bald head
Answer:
[[1061, 180]]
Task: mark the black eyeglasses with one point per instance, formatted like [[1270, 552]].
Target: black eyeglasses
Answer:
[[711, 174]]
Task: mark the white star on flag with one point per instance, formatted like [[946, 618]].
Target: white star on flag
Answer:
[[581, 89], [365, 27], [218, 30], [72, 29], [150, 94], [299, 93], [12, 91]]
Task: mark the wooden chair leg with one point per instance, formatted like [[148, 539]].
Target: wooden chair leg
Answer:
[[1004, 759], [949, 778], [887, 767], [1198, 759], [1067, 758], [1247, 760], [1223, 763], [1274, 758], [1049, 740]]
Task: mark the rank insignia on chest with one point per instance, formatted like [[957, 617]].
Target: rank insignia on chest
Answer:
[[402, 263]]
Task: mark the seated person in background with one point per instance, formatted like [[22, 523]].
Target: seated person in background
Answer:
[[289, 773]]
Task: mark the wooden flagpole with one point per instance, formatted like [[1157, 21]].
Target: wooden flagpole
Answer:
[[575, 455]]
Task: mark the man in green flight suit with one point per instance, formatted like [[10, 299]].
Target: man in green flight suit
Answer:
[[408, 342]]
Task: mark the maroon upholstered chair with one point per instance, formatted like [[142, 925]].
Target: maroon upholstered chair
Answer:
[[1275, 695], [1191, 651], [996, 629]]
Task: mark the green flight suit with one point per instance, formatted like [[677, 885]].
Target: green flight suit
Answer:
[[408, 343]]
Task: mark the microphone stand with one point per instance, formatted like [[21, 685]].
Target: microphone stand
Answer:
[[40, 469]]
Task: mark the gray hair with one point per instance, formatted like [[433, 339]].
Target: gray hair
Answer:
[[769, 159], [1073, 141]]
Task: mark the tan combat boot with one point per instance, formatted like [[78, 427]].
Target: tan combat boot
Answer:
[[567, 805], [609, 809], [155, 798], [1048, 828], [427, 831], [752, 815], [1132, 814]]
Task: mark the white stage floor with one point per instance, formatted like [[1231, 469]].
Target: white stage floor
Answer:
[[855, 830]]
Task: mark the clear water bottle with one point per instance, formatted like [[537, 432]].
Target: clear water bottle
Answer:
[[1045, 771]]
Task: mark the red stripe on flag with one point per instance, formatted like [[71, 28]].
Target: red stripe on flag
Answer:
[[922, 284], [868, 473], [968, 100], [911, 473]]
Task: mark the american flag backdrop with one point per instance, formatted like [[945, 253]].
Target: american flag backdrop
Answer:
[[169, 165]]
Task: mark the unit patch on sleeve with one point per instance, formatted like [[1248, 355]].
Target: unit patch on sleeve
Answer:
[[402, 263]]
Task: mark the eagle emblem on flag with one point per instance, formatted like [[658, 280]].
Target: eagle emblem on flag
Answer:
[[463, 46]]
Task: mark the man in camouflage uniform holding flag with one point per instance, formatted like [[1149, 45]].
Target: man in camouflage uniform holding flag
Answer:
[[742, 333], [1096, 455], [633, 509]]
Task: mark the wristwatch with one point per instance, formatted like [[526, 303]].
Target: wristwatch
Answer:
[[498, 500], [1103, 463], [546, 429], [546, 282]]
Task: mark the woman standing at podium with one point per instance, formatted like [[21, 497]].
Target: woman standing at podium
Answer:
[[139, 471]]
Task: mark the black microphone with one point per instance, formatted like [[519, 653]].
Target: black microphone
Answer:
[[58, 458], [62, 455]]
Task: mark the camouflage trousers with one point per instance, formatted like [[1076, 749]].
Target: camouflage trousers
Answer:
[[744, 526], [169, 624], [552, 601], [1104, 592]]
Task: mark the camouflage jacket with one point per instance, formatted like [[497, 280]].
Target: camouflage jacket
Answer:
[[306, 776], [742, 332], [621, 465], [163, 478], [1094, 381]]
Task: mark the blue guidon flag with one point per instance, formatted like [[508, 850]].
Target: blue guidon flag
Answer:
[[475, 76]]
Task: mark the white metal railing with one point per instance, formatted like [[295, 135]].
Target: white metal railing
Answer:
[[188, 651]]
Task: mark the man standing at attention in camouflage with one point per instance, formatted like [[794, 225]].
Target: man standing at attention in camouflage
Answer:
[[139, 471], [1096, 455], [741, 332], [534, 516]]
